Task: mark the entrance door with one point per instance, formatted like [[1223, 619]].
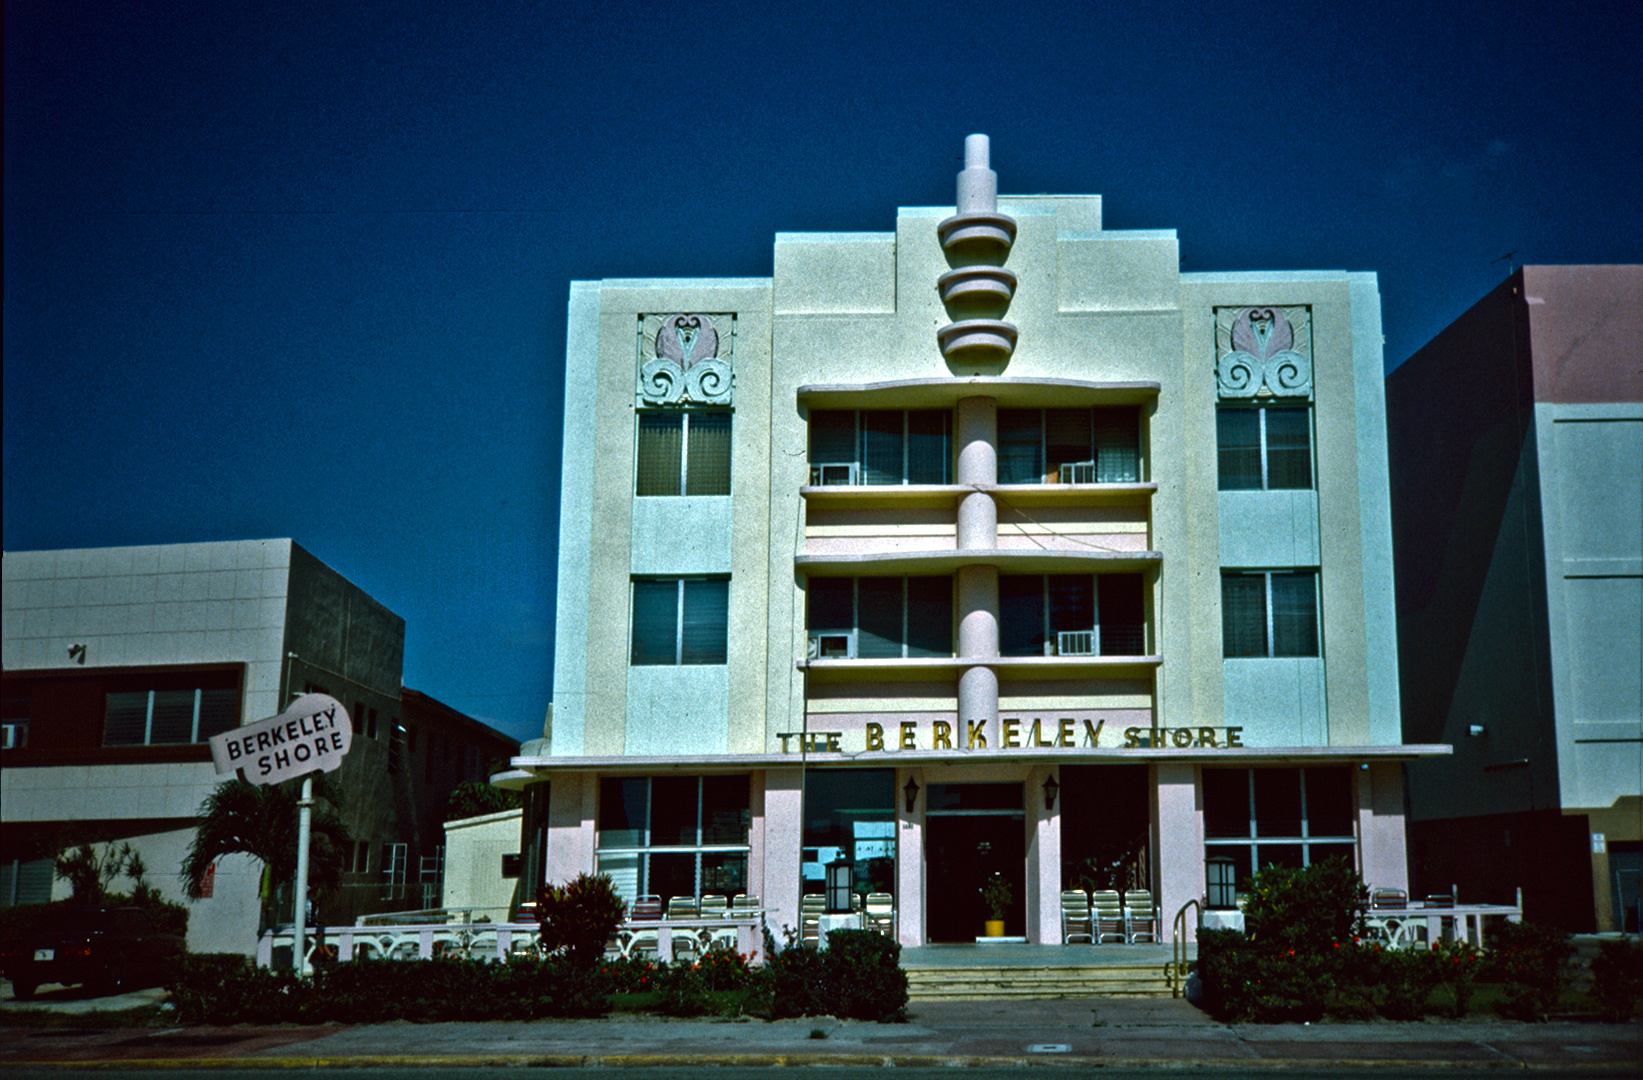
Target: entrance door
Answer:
[[962, 851]]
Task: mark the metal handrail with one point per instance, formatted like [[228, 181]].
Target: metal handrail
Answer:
[[1176, 973]]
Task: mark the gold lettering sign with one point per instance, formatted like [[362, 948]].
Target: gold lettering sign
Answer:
[[1042, 734]]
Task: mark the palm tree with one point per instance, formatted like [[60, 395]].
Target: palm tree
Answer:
[[239, 818]]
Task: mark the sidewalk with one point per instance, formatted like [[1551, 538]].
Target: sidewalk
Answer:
[[1106, 1031]]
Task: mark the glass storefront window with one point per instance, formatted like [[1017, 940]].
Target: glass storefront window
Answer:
[[1255, 818], [850, 816], [671, 836]]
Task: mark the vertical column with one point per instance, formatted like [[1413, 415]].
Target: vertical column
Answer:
[[573, 802], [977, 431], [910, 861], [1178, 833], [783, 833], [1043, 861], [1383, 859]]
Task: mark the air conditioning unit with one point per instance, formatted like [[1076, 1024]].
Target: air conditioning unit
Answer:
[[1075, 643], [838, 474], [1078, 472], [832, 646]]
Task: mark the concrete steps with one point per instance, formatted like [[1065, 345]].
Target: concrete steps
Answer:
[[999, 981]]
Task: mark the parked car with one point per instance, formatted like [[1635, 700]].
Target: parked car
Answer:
[[102, 948]]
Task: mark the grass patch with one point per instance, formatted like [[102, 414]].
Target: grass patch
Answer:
[[141, 1016]]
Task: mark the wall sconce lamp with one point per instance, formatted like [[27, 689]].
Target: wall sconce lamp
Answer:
[[77, 653], [911, 791], [1051, 789]]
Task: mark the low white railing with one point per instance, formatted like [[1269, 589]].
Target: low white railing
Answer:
[[498, 942]]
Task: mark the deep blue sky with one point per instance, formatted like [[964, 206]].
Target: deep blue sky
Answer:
[[300, 269]]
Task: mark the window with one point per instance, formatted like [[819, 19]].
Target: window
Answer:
[[880, 618], [1069, 446], [881, 446], [170, 710], [674, 835], [14, 726], [396, 747], [1269, 613], [362, 857], [1275, 817], [395, 858], [850, 814], [683, 453], [1071, 615], [1264, 447], [680, 620]]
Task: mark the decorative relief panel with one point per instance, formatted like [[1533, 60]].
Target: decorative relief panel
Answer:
[[687, 359], [1263, 351]]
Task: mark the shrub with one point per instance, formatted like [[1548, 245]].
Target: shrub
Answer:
[[1455, 965], [792, 982], [631, 975], [219, 988], [579, 917], [1533, 962], [864, 977], [1308, 910], [724, 969], [1407, 978], [1617, 979]]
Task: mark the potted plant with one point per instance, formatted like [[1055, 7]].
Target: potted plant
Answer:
[[996, 894]]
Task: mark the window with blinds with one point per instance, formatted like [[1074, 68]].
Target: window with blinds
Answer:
[[879, 618], [1269, 613], [1264, 447], [683, 453], [668, 836], [1069, 446], [881, 446], [1071, 615], [680, 621], [167, 710]]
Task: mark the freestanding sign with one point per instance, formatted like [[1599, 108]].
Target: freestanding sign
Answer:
[[310, 736]]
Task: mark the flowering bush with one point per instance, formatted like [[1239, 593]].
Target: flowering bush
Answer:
[[631, 975], [1533, 962]]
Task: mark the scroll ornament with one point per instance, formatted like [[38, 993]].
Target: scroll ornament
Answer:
[[1262, 357], [687, 365]]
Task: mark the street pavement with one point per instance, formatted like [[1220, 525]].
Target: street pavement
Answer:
[[1151, 1032]]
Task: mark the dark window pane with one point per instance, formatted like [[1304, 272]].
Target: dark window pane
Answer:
[[1295, 614], [1020, 615], [1072, 602], [830, 604], [1243, 615], [1287, 856], [1117, 446], [929, 616], [1277, 802], [622, 805], [832, 436], [725, 814], [1317, 853], [673, 810], [724, 874], [125, 719], [707, 609], [708, 454], [1329, 803], [661, 452], [1122, 614], [173, 717], [878, 609], [835, 799], [671, 875], [1067, 439], [881, 443], [1288, 448], [219, 711], [1226, 803], [1238, 448], [655, 621], [929, 446], [975, 797], [1020, 446]]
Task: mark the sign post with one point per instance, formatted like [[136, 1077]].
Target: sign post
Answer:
[[311, 736]]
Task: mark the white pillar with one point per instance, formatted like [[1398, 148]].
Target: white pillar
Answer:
[[910, 860], [783, 836], [1382, 857], [1043, 860], [1178, 838]]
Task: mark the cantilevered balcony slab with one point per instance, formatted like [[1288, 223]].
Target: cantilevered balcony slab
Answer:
[[949, 560], [1008, 667], [884, 496], [946, 393]]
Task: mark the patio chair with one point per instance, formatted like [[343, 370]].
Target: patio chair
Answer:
[[1107, 916], [643, 938], [717, 937], [881, 913], [812, 906], [1075, 916], [684, 907], [1140, 916], [742, 902]]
